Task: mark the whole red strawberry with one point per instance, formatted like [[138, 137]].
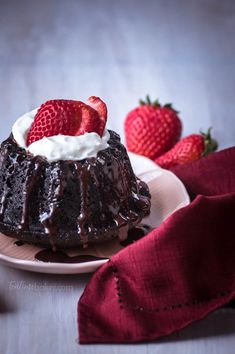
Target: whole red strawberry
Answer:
[[189, 149], [68, 117], [152, 129]]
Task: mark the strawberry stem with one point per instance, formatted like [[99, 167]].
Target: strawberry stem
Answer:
[[142, 102], [210, 143], [148, 101], [169, 105], [156, 104]]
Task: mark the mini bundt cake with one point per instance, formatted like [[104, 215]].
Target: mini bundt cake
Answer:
[[51, 200]]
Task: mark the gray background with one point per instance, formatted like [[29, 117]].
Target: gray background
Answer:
[[180, 51]]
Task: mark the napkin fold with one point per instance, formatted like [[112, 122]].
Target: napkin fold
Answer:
[[177, 274]]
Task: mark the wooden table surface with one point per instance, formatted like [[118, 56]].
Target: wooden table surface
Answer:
[[181, 51]]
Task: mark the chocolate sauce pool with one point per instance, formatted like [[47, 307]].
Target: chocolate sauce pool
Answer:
[[48, 255], [135, 234], [19, 243]]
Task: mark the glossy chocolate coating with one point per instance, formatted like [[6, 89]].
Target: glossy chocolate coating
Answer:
[[69, 203]]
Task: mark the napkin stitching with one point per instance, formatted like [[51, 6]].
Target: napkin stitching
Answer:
[[194, 302]]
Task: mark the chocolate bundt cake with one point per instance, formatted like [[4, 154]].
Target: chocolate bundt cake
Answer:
[[69, 203]]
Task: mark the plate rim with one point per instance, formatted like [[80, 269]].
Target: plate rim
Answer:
[[36, 263]]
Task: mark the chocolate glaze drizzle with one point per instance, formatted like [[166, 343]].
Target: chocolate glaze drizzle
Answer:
[[69, 203]]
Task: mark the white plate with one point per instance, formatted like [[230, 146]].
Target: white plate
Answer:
[[168, 195]]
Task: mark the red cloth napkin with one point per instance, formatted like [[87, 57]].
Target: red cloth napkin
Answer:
[[178, 273]]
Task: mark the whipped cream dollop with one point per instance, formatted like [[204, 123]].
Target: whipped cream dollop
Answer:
[[59, 147]]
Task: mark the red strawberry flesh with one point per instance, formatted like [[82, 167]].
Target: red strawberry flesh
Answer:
[[188, 149], [68, 117], [151, 131]]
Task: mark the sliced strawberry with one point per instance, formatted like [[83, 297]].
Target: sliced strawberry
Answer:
[[90, 121], [97, 104], [68, 117]]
